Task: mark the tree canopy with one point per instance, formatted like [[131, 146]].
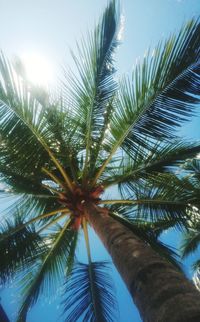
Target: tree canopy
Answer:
[[60, 152]]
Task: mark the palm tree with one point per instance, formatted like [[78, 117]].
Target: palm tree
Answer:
[[60, 158]]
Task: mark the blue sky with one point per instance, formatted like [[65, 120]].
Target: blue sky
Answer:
[[50, 28]]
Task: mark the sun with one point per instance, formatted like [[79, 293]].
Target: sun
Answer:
[[38, 69]]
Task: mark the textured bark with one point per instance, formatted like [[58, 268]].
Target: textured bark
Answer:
[[161, 293]]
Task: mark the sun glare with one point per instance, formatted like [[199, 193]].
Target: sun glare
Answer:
[[38, 70]]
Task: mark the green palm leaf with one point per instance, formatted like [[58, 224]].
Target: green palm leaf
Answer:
[[24, 126], [153, 199], [159, 157], [165, 89], [196, 266], [30, 207], [92, 298], [18, 116], [50, 269], [95, 87], [162, 94], [190, 241], [19, 250], [192, 167]]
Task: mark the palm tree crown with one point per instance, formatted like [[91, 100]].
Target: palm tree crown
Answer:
[[59, 156]]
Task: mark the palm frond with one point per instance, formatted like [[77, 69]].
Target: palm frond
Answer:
[[190, 241], [98, 305], [93, 89], [154, 199], [166, 87], [161, 181], [17, 250], [50, 270], [71, 255], [23, 125], [162, 93], [66, 137], [159, 157], [192, 166], [196, 267], [18, 224], [21, 182], [31, 207]]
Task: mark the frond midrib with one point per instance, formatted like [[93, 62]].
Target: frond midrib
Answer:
[[42, 142], [118, 144]]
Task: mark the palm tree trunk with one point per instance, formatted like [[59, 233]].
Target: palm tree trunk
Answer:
[[159, 290]]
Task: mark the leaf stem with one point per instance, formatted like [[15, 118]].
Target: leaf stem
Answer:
[[34, 285], [85, 230], [141, 201], [90, 267], [54, 178], [51, 223], [20, 227]]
